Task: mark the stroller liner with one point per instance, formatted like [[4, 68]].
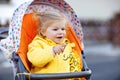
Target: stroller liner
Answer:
[[23, 29]]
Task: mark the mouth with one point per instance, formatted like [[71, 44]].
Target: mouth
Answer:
[[59, 37]]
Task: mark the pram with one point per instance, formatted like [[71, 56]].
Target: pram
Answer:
[[23, 29]]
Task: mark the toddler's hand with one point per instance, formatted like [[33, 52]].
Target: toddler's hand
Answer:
[[59, 49]]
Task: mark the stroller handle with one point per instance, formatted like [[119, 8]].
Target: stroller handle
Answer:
[[86, 74]]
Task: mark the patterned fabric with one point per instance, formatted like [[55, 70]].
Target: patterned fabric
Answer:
[[11, 43]]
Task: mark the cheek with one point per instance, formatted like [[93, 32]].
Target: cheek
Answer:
[[50, 34], [47, 32], [64, 32]]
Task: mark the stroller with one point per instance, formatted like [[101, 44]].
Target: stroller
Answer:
[[23, 29]]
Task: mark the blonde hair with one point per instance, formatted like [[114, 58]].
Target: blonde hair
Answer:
[[45, 19]]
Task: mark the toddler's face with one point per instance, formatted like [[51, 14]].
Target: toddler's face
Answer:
[[56, 32]]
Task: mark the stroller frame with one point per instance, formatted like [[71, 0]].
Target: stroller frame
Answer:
[[23, 74], [86, 72]]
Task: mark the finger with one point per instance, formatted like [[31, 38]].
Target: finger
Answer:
[[57, 51], [60, 50], [64, 45]]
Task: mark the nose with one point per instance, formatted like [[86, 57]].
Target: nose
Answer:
[[60, 31]]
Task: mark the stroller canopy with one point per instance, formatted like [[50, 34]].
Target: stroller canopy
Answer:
[[12, 42]]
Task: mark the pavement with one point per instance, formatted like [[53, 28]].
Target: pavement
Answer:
[[105, 48], [103, 59], [6, 68]]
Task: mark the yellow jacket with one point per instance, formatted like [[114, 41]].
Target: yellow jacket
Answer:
[[40, 54]]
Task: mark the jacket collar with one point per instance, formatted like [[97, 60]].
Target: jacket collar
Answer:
[[50, 42]]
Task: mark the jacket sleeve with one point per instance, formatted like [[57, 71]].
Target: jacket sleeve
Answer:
[[38, 54]]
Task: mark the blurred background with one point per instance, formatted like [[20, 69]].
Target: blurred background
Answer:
[[100, 20]]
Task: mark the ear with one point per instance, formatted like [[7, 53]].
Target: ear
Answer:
[[42, 31]]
